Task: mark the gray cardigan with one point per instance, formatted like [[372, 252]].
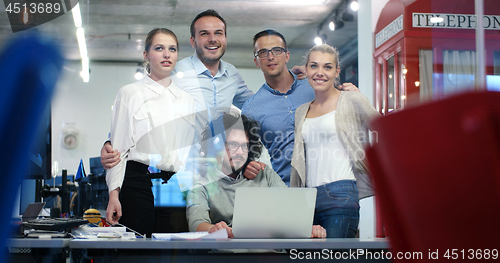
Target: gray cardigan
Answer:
[[353, 113]]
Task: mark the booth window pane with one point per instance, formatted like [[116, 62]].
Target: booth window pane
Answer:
[[425, 58], [400, 83], [496, 62], [390, 84], [381, 90], [493, 81], [459, 69]]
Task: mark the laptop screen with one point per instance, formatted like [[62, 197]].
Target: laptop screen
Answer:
[[32, 211], [273, 212]]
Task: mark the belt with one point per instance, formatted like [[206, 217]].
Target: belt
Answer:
[[141, 168]]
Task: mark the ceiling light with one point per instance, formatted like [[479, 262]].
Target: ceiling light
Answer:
[[348, 17], [318, 41], [354, 5], [339, 24], [331, 26], [302, 2], [139, 74], [436, 19], [80, 36], [77, 17], [85, 73]]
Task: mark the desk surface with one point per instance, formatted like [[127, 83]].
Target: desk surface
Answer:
[[38, 243], [329, 243], [112, 243]]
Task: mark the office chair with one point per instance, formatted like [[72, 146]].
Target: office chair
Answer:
[[436, 171], [29, 68]]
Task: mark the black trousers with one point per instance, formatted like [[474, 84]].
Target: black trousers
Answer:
[[137, 201]]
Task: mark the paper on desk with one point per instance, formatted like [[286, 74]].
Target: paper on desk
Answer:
[[219, 234], [86, 232]]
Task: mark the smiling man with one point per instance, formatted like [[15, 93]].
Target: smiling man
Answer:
[[275, 103], [208, 38], [210, 80], [214, 84]]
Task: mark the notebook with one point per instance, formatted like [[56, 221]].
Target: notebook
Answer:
[[273, 212], [32, 211]]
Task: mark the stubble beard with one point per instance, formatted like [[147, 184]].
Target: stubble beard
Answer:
[[200, 52]]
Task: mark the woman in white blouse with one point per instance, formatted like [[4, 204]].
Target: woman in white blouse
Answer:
[[328, 153], [152, 127]]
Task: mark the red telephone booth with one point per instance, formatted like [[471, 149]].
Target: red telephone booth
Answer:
[[425, 50]]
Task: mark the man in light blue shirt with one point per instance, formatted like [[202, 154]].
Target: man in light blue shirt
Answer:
[[212, 94], [210, 80], [214, 84], [224, 88], [275, 103]]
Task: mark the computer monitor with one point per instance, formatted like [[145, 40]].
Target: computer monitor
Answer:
[[96, 167], [27, 194], [40, 165]]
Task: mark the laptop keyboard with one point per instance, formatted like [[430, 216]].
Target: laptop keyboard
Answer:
[[55, 224]]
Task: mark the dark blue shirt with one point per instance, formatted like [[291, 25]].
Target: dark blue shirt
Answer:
[[276, 113]]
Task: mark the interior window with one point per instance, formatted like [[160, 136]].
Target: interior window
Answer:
[[459, 69], [390, 84]]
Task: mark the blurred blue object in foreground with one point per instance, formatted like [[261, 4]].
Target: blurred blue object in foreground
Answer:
[[29, 69]]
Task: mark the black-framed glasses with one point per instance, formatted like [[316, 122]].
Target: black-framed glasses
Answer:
[[263, 53], [233, 146]]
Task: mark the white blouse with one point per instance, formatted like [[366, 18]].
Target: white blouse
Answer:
[[153, 125], [326, 158]]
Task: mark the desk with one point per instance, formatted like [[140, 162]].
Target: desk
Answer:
[[139, 243], [38, 250], [148, 250]]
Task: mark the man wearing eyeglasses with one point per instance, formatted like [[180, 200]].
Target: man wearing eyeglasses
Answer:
[[275, 103], [210, 203]]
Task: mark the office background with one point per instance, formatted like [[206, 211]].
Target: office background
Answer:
[[86, 107]]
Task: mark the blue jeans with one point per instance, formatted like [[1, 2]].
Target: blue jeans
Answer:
[[337, 209]]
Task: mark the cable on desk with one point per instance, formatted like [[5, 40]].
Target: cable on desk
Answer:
[[128, 228]]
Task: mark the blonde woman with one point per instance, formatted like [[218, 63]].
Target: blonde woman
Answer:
[[328, 154]]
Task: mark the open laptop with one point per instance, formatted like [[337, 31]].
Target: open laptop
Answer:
[[273, 212], [32, 211]]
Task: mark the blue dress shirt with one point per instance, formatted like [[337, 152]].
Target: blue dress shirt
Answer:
[[220, 91], [276, 113]]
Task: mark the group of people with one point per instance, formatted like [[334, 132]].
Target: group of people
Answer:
[[313, 128]]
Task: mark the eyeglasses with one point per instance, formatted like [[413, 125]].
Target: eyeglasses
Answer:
[[234, 146], [263, 53]]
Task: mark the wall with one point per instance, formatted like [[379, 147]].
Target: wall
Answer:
[[88, 107], [368, 14]]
